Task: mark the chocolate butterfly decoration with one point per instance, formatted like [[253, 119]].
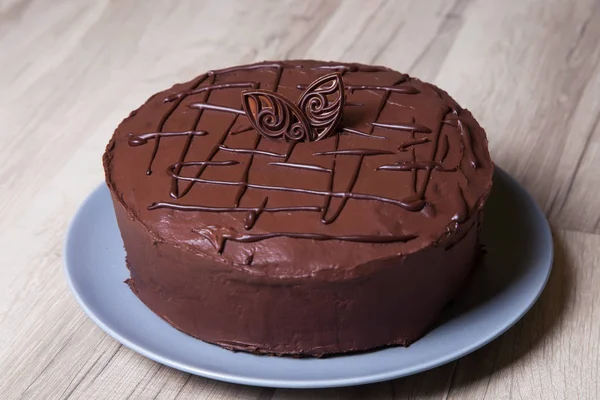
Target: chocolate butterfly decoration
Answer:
[[314, 117]]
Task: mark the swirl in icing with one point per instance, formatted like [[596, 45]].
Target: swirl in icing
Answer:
[[314, 117], [275, 117]]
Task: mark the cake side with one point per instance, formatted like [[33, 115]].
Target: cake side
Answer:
[[394, 303]]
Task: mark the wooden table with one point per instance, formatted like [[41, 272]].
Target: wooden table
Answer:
[[70, 70]]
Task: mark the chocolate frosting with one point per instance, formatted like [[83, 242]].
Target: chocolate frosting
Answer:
[[179, 168], [385, 171]]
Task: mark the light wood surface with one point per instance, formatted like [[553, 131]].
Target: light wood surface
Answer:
[[70, 70]]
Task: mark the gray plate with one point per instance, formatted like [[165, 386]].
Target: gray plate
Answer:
[[516, 269]]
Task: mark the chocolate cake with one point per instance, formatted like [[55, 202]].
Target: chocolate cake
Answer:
[[300, 207]]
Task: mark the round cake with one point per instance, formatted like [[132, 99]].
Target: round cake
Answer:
[[300, 208]]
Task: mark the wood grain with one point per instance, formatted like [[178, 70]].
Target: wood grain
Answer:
[[71, 70]]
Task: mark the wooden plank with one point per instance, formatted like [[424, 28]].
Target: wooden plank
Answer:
[[530, 73], [554, 351]]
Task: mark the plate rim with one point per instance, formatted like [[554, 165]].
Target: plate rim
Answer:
[[544, 232]]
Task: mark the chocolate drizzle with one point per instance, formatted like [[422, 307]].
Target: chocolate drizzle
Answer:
[[203, 106], [393, 89], [183, 207], [328, 193], [359, 133], [416, 165], [219, 236], [212, 163], [302, 166], [454, 120], [186, 93], [466, 135], [404, 127], [412, 142], [355, 152], [251, 151], [315, 116], [249, 238], [139, 140]]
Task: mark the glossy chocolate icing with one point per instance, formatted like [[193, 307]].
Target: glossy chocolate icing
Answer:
[[351, 236]]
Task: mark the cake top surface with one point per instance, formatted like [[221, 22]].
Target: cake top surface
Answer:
[[309, 165]]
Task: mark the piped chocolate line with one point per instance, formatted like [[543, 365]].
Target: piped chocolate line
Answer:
[[213, 107], [359, 133], [415, 165], [392, 89], [251, 151], [211, 163], [251, 238], [190, 207], [252, 216], [163, 120], [408, 127], [349, 195], [466, 136], [309, 167], [186, 93], [174, 190], [413, 142], [141, 139], [355, 152]]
